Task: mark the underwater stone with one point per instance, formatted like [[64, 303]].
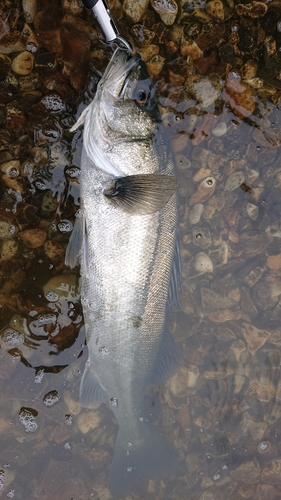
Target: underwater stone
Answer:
[[22, 64]]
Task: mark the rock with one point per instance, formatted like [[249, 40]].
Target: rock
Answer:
[[204, 191], [254, 337], [234, 180], [206, 90], [33, 238], [167, 10], [8, 249], [11, 42], [215, 9], [266, 492], [23, 63], [155, 65], [11, 168], [73, 407], [29, 10], [253, 9], [238, 95], [220, 129], [190, 48], [263, 391], [252, 211], [214, 206], [7, 230], [203, 263], [272, 471], [273, 262], [88, 420], [135, 10], [54, 250], [195, 213], [247, 472], [201, 237], [63, 285]]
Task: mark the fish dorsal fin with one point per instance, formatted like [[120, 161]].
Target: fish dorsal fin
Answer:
[[167, 360], [91, 391], [141, 194]]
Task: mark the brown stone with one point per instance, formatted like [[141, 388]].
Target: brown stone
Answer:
[[254, 337], [247, 472], [33, 238]]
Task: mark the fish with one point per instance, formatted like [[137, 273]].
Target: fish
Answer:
[[125, 239]]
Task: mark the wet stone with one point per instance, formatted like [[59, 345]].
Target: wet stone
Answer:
[[271, 472], [248, 472], [201, 237], [51, 398], [27, 417]]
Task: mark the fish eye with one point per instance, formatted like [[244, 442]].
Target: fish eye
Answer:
[[141, 96]]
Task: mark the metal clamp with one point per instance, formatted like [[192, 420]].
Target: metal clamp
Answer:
[[110, 31]]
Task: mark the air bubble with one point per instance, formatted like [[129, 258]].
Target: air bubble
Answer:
[[53, 103], [104, 351], [51, 398], [263, 446], [65, 226], [52, 296], [68, 419], [39, 376], [216, 477], [27, 419], [129, 469], [13, 337], [114, 402], [73, 172], [11, 494]]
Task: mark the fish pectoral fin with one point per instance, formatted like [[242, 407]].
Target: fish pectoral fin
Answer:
[[91, 391], [80, 120], [141, 194], [167, 360], [73, 250]]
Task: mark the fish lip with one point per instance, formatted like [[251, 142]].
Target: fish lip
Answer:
[[117, 71]]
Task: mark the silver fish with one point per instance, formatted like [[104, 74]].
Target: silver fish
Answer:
[[129, 263]]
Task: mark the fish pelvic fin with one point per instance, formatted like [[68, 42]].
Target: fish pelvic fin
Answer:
[[152, 457], [141, 194], [167, 361], [81, 119], [91, 391]]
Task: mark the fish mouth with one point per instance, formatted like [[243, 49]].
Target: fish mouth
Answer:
[[117, 71]]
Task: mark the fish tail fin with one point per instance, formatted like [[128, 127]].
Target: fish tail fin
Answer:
[[152, 457]]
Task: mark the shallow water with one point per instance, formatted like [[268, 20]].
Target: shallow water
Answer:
[[216, 69]]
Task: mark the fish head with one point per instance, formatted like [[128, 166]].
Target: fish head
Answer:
[[127, 88]]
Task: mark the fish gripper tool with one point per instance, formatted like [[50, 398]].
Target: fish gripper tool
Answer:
[[103, 16]]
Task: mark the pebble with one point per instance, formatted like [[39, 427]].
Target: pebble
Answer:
[[62, 285], [29, 10], [234, 180], [190, 48], [135, 10], [254, 337], [247, 472], [167, 10], [195, 213], [7, 230], [8, 249], [11, 168], [215, 9], [220, 129], [252, 211], [33, 238], [23, 63], [272, 472], [203, 263], [155, 65], [86, 421], [204, 191], [205, 89]]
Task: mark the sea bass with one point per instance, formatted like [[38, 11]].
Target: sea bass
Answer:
[[129, 263]]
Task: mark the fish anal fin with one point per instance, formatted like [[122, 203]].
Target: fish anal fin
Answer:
[[91, 392], [167, 360], [141, 194]]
